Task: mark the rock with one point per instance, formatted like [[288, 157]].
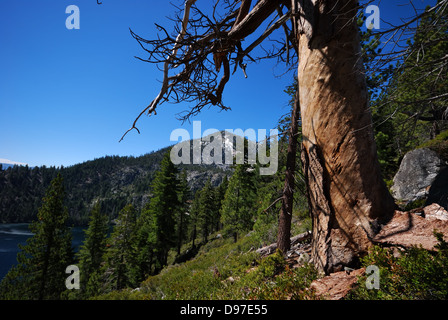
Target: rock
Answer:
[[196, 178], [407, 229], [438, 193], [336, 285], [303, 258], [230, 280], [418, 170], [435, 212]]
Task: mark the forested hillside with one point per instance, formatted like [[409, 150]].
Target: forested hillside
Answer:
[[112, 180]]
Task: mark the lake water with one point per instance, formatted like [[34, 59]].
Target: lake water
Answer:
[[13, 234]]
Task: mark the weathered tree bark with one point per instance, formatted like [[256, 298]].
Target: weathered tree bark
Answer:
[[347, 196], [284, 223]]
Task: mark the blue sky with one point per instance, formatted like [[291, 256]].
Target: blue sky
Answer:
[[67, 96]]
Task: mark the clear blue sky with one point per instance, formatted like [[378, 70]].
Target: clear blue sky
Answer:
[[67, 96]]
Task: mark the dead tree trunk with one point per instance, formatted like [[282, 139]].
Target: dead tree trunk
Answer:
[[284, 224], [347, 195]]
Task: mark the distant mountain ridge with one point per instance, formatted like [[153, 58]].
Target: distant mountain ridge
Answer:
[[5, 163], [114, 181]]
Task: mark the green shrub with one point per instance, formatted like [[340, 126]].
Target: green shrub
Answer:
[[272, 279], [289, 284], [414, 274], [225, 270], [419, 203], [439, 144], [272, 265], [203, 277]]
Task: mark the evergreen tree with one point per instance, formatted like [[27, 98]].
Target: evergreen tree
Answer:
[[145, 245], [120, 256], [220, 193], [194, 217], [413, 108], [161, 213], [419, 89], [376, 76], [239, 201], [92, 251], [207, 210], [183, 195], [40, 273]]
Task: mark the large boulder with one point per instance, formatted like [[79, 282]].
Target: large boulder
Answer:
[[438, 193], [423, 174]]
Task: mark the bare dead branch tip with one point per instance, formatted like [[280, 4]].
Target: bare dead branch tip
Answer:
[[196, 61]]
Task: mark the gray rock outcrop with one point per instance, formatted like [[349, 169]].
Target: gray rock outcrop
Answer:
[[422, 174]]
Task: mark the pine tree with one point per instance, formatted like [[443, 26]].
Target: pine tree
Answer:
[[120, 256], [164, 206], [183, 195], [161, 212], [40, 273], [419, 89], [220, 193], [239, 201], [413, 108], [194, 218], [145, 245], [207, 210], [92, 251]]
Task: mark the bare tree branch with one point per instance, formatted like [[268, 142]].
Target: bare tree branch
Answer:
[[201, 47]]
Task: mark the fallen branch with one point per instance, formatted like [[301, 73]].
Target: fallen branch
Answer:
[[267, 250]]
